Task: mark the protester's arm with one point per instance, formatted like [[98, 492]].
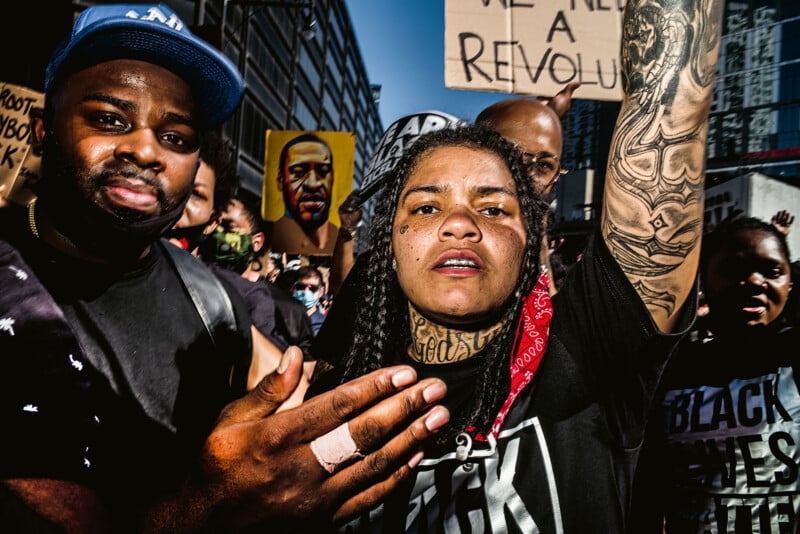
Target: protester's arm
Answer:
[[265, 359], [257, 464], [653, 204], [46, 505]]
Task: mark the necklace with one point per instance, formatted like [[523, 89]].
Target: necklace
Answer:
[[52, 236], [32, 218]]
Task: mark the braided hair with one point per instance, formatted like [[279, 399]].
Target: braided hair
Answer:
[[382, 332]]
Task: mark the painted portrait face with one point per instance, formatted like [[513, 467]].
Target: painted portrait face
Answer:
[[458, 235], [306, 179]]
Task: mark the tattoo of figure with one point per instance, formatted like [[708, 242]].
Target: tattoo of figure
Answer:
[[657, 157]]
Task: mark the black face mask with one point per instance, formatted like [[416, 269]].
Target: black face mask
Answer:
[[190, 237], [88, 226]]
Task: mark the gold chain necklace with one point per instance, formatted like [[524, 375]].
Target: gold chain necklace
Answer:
[[32, 218]]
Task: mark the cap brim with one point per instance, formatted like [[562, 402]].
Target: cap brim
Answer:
[[213, 78]]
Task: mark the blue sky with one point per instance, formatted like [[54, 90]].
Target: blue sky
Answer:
[[402, 44]]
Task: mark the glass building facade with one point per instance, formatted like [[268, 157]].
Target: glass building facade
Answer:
[[754, 123], [755, 116], [293, 81]]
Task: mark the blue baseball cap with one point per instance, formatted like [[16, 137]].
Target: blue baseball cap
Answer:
[[152, 33]]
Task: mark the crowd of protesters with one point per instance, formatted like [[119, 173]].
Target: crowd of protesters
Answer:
[[167, 370]]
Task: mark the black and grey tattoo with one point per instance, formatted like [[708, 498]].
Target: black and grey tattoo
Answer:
[[657, 158]]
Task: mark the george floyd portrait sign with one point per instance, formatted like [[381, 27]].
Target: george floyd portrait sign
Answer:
[[534, 48], [307, 174]]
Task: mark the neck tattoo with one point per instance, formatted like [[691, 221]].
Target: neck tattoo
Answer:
[[433, 343]]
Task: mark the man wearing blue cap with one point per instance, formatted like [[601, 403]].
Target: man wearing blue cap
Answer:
[[124, 361]]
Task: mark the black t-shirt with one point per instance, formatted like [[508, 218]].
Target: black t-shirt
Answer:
[[259, 302], [110, 377], [721, 453], [565, 455]]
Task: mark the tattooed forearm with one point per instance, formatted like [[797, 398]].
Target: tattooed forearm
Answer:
[[433, 343], [652, 211]]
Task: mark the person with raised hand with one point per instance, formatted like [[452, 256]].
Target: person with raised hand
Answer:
[[549, 398]]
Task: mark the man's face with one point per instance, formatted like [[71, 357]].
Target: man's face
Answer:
[[124, 130], [308, 290], [536, 130], [307, 182]]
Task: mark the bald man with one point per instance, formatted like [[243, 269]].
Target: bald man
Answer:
[[535, 126]]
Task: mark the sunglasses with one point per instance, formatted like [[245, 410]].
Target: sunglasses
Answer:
[[302, 287]]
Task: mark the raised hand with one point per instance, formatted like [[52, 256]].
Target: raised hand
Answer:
[[782, 221]]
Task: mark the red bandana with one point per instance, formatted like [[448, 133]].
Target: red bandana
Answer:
[[531, 342]]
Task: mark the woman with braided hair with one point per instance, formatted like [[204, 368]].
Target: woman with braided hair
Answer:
[[548, 398], [463, 319]]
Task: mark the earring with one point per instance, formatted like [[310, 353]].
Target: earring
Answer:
[[394, 264]]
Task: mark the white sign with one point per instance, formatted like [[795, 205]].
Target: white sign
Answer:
[[528, 47], [19, 167]]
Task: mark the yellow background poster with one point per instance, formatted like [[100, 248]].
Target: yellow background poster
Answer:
[[307, 175]]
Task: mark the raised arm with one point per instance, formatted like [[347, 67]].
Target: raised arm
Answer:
[[653, 205]]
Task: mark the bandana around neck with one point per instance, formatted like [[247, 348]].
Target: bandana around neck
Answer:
[[531, 343]]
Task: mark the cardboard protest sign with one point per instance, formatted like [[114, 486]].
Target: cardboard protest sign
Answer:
[[534, 48], [307, 175], [19, 167], [396, 139]]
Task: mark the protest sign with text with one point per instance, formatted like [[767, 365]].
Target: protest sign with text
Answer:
[[19, 167], [528, 47]]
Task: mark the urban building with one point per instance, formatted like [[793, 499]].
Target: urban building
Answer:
[[300, 60], [755, 118], [754, 125], [303, 71]]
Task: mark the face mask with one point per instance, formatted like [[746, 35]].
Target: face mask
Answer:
[[307, 297], [89, 226], [189, 236], [228, 249]]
